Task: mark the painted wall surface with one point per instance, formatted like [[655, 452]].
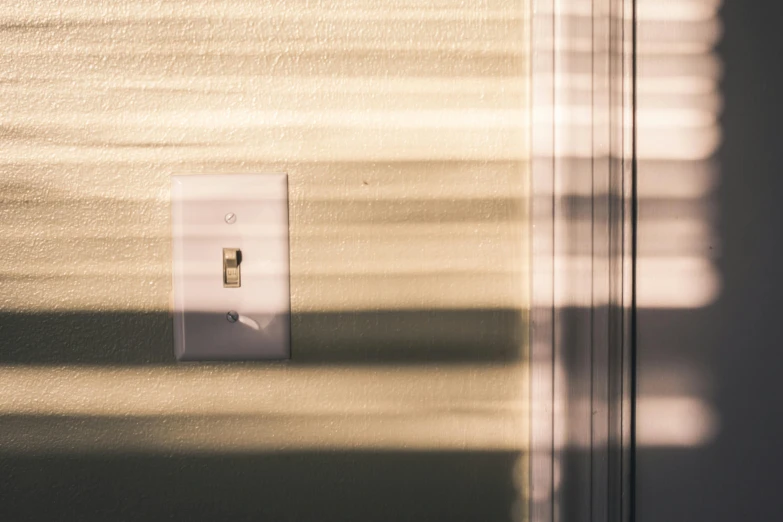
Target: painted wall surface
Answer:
[[402, 128], [709, 412]]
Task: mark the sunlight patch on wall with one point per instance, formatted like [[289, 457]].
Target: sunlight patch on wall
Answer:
[[679, 106], [679, 135], [230, 409], [403, 129]]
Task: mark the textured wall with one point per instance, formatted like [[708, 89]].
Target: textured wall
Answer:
[[401, 126]]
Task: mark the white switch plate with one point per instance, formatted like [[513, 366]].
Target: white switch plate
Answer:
[[202, 226]]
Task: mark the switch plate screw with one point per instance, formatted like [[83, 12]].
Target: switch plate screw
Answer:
[[232, 316], [231, 218]]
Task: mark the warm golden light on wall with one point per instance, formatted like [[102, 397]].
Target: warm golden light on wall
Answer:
[[403, 128]]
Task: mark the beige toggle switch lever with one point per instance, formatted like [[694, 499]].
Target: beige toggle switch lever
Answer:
[[232, 257]]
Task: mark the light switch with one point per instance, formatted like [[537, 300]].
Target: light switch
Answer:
[[231, 260], [231, 272]]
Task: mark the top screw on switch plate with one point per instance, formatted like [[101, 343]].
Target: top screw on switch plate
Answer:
[[231, 218]]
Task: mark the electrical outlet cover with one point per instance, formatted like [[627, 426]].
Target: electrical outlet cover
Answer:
[[248, 212]]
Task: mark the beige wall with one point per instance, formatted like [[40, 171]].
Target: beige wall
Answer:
[[402, 128]]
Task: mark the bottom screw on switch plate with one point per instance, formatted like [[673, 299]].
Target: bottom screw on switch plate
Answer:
[[232, 316]]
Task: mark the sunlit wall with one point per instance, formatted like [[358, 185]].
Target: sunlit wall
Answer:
[[679, 134], [402, 126]]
